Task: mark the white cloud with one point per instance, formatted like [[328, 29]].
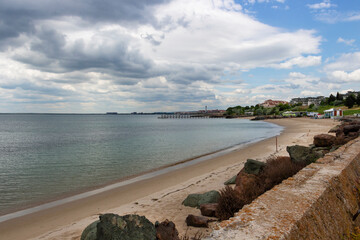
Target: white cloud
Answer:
[[342, 76], [353, 17], [349, 42], [296, 75], [346, 69], [310, 93], [177, 61], [346, 62], [324, 4], [308, 61]]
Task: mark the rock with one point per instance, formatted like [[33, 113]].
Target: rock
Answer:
[[209, 197], [197, 221], [253, 166], [302, 154], [334, 129], [166, 231], [322, 150], [324, 140], [192, 200], [231, 180], [195, 200], [90, 231], [334, 148], [298, 153], [258, 118], [208, 209], [128, 227], [351, 128]]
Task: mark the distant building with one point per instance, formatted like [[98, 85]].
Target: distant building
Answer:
[[307, 101], [349, 93], [333, 113], [272, 103]]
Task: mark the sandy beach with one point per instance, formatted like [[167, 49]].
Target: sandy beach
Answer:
[[160, 197]]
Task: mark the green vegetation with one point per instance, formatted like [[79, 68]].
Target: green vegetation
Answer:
[[351, 112], [332, 101]]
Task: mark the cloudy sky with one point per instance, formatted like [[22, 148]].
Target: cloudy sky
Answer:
[[166, 55]]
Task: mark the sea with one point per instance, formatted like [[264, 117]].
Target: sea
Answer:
[[44, 157]]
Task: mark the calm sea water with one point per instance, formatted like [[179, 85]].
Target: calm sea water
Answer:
[[46, 156]]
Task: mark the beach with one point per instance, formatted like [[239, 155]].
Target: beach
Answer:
[[160, 197]]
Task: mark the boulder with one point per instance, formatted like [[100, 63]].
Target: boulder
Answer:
[[128, 227], [192, 200], [208, 209], [334, 129], [334, 148], [166, 231], [351, 128], [324, 140], [197, 221], [90, 231], [322, 150], [195, 200], [303, 155], [298, 153], [253, 166], [231, 180]]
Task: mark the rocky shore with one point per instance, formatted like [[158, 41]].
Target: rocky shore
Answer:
[[161, 198]]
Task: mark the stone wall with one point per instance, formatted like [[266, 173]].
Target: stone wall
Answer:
[[317, 203]]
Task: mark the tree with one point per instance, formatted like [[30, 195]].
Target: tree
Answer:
[[258, 111], [311, 106], [339, 96], [331, 99], [324, 102], [350, 101], [283, 107], [338, 102], [358, 99]]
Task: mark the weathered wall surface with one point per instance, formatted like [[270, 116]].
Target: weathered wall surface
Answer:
[[317, 203]]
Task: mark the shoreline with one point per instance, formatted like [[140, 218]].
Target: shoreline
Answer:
[[92, 190], [67, 221]]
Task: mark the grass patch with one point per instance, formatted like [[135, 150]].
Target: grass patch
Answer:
[[351, 111]]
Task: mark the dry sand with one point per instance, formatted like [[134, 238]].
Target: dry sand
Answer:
[[160, 197]]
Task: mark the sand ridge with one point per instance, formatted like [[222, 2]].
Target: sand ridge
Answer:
[[160, 198]]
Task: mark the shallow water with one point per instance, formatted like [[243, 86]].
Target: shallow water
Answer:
[[46, 156]]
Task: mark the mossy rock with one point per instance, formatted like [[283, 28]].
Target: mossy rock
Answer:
[[253, 166], [231, 180], [192, 200], [89, 232], [128, 227], [195, 200]]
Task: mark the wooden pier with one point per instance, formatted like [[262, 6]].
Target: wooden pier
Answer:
[[182, 116]]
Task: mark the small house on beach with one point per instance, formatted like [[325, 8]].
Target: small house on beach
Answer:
[[333, 113]]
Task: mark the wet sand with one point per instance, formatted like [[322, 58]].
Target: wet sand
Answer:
[[159, 197]]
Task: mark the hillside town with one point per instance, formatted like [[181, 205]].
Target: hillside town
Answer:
[[316, 107]]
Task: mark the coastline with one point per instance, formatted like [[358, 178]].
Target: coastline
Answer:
[[92, 190], [159, 197]]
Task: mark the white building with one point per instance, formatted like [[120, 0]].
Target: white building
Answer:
[[333, 113]]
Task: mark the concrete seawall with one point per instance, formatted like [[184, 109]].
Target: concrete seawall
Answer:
[[317, 203]]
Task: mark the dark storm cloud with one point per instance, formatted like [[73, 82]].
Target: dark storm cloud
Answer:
[[19, 16], [50, 53], [36, 88]]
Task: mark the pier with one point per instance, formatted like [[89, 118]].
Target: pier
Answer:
[[182, 116]]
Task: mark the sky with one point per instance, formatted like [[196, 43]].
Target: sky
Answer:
[[171, 55]]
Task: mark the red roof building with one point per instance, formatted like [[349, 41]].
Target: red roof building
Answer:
[[272, 103]]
